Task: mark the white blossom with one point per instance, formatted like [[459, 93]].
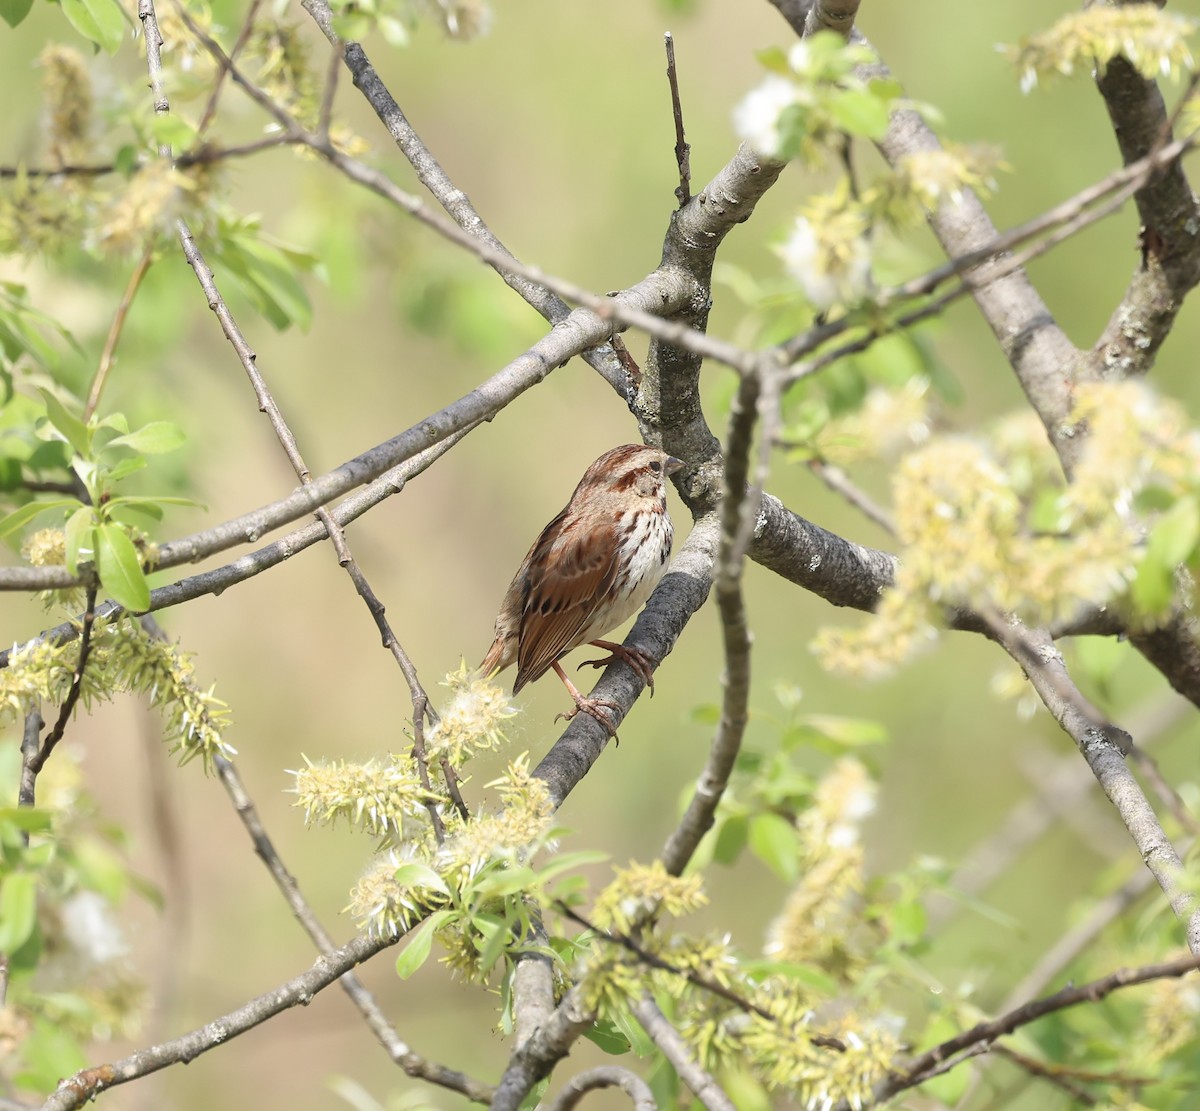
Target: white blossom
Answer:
[[756, 118], [826, 277]]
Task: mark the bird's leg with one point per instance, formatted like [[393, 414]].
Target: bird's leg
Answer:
[[593, 706], [641, 662]]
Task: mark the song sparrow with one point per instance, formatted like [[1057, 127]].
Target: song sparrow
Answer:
[[592, 567]]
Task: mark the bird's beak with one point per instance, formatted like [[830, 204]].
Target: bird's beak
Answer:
[[672, 465]]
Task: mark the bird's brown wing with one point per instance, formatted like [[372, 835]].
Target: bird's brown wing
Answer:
[[572, 569]]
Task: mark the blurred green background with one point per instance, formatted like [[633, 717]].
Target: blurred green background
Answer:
[[557, 124]]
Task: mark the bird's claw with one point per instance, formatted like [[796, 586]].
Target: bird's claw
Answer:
[[595, 708], [641, 662]]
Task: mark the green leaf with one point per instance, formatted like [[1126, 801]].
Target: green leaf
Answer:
[[49, 1054], [155, 438], [131, 464], [416, 951], [151, 502], [415, 874], [564, 862], [126, 159], [499, 934], [820, 982], [116, 421], [1174, 535], [100, 21], [274, 274], [173, 131], [844, 732], [24, 330], [100, 869], [265, 273], [128, 514], [18, 910], [793, 130], [907, 921], [13, 11], [773, 58], [70, 427], [19, 518], [1171, 542], [80, 538], [731, 839], [773, 840], [1098, 658], [27, 818], [120, 569], [608, 1037], [860, 112], [504, 881]]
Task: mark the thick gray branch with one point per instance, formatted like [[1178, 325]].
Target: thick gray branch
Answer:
[[1169, 266], [681, 592]]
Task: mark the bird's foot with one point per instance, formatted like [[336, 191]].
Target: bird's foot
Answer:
[[599, 709], [596, 707], [641, 662]]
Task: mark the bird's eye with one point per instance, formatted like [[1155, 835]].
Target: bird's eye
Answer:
[[656, 466]]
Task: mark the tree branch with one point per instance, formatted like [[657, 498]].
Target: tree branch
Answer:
[[738, 513], [1169, 267], [37, 762], [672, 1046], [412, 1063], [604, 1076], [1103, 746], [254, 563], [85, 1085], [983, 1034], [674, 601], [831, 15]]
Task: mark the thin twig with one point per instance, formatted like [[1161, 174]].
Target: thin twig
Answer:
[[604, 1076], [25, 797], [36, 763], [983, 1034], [1170, 797], [75, 1091], [412, 1063], [287, 439], [651, 293], [329, 92], [27, 792], [739, 510], [271, 555], [115, 329], [177, 903], [1103, 746], [1056, 1071], [840, 483], [673, 1048], [210, 106], [714, 987], [683, 191], [453, 200], [1061, 789], [1044, 1072], [1080, 937]]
